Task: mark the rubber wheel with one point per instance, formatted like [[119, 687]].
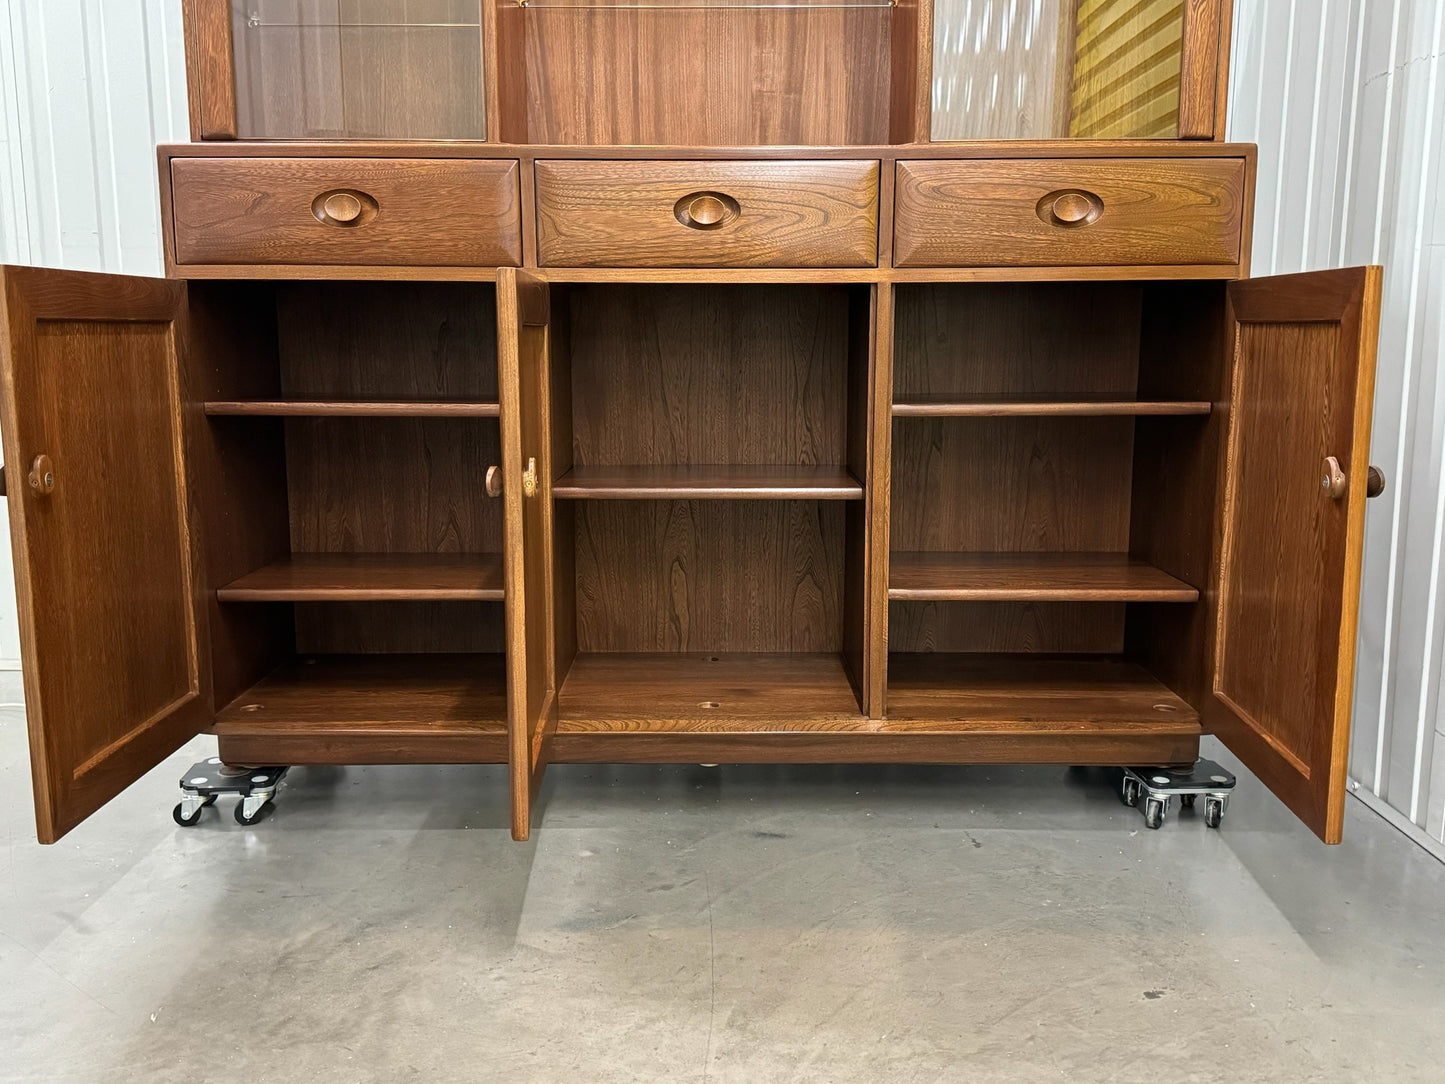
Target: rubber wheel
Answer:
[[1154, 812], [184, 821], [241, 817], [1129, 792], [1186, 801], [1213, 812]]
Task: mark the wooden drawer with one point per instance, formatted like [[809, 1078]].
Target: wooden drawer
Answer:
[[399, 212], [707, 214], [1069, 212]]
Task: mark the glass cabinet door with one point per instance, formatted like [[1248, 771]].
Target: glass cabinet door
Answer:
[[1054, 69], [358, 69]]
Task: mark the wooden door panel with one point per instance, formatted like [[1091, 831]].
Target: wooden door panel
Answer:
[[1290, 543], [525, 391], [105, 557]]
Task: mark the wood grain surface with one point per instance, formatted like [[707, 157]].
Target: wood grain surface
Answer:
[[1021, 627], [709, 375], [1085, 692], [259, 211], [717, 483], [368, 709], [789, 214], [709, 576], [712, 75], [1012, 484], [1001, 343], [1289, 552], [983, 214], [377, 341], [109, 580], [1032, 577], [370, 577]]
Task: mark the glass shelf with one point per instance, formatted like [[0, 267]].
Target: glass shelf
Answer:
[[255, 22], [702, 5]]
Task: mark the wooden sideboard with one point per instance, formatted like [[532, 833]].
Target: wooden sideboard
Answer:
[[712, 413]]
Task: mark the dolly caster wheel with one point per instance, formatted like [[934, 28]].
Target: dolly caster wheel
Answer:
[[188, 810], [1186, 801], [252, 808], [1154, 810], [1213, 811], [1129, 792]]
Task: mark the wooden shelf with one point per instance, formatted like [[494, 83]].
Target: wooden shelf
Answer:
[[1021, 406], [1056, 690], [1031, 577], [751, 708], [371, 577], [353, 408], [714, 483], [372, 709]]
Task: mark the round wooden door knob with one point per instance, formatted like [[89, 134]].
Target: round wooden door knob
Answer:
[[494, 481]]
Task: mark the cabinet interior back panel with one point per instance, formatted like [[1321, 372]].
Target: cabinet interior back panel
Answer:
[[391, 628], [709, 375], [387, 340], [392, 485], [1006, 626], [715, 76], [698, 576], [1046, 340], [1012, 484]]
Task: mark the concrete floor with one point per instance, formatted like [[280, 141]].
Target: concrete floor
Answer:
[[688, 924]]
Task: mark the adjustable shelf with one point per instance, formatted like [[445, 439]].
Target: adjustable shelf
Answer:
[[1101, 695], [353, 408], [371, 577], [710, 483], [1007, 406], [1031, 577], [373, 709]]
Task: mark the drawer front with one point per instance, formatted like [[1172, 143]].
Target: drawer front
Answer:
[[707, 214], [1069, 212], [376, 211]]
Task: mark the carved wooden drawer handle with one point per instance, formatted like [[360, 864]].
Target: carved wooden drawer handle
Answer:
[[346, 207], [529, 479], [706, 210], [1070, 208]]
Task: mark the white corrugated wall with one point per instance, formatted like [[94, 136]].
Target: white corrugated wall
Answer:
[[1346, 101], [1343, 96], [87, 90]]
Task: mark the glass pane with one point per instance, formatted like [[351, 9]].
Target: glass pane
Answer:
[[359, 69], [1050, 69]]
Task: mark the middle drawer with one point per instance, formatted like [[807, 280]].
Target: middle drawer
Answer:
[[707, 214]]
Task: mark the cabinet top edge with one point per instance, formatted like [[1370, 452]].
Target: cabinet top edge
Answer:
[[1055, 148]]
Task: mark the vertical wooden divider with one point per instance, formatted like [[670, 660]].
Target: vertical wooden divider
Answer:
[[210, 69], [911, 73], [876, 495], [1200, 70]]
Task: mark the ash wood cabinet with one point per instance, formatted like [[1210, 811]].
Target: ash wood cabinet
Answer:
[[681, 405]]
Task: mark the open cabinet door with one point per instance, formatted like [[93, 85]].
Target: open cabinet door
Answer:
[[1291, 523], [106, 567], [523, 378]]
